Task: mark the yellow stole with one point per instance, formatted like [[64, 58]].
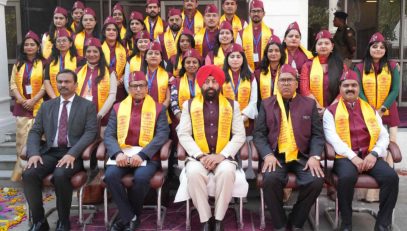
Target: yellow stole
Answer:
[[198, 123], [219, 59], [79, 43], [147, 124], [162, 82], [170, 43], [316, 81], [73, 27], [46, 46], [198, 21], [123, 32], [135, 63], [159, 26], [199, 37], [342, 123], [243, 92], [265, 84], [248, 45], [54, 69], [178, 67], [377, 88], [184, 93], [286, 138], [121, 57], [303, 49], [35, 82], [236, 24], [103, 85]]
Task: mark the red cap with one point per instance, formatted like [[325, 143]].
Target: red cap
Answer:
[[289, 69], [234, 48], [32, 35], [78, 5], [210, 70], [153, 1], [119, 7], [349, 75], [63, 32], [60, 10], [142, 35], [155, 46], [211, 8], [275, 39], [225, 25], [186, 31], [93, 42], [256, 4], [293, 26], [89, 11], [137, 76], [136, 15], [192, 53], [109, 20], [377, 37], [323, 34], [174, 12]]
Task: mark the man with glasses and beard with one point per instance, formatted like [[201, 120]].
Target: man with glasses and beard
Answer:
[[211, 130], [154, 23], [169, 39]]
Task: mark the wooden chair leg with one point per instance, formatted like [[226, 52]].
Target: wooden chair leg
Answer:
[[262, 216]]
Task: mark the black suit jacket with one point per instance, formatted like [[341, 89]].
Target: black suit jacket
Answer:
[[82, 126]]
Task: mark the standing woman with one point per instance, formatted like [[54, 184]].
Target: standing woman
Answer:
[[241, 85], [59, 20], [296, 54], [78, 9], [94, 81], [273, 59], [120, 18], [115, 54], [223, 42], [380, 81], [88, 28], [320, 76], [135, 25], [63, 57], [185, 42], [26, 87]]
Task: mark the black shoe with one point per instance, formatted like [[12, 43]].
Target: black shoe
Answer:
[[218, 225], [40, 226], [345, 227], [119, 226], [378, 227], [63, 226], [208, 225], [134, 224]]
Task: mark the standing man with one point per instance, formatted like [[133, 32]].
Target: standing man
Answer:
[[193, 19], [344, 38], [169, 39], [288, 134], [154, 23], [137, 121], [205, 38], [229, 8], [356, 132], [211, 130], [69, 125]]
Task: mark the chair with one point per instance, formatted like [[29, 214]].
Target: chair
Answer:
[[291, 184], [243, 156], [156, 182], [364, 181]]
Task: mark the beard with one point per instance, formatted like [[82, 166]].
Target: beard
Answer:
[[175, 27], [211, 94]]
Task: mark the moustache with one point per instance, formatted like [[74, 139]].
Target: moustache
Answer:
[[350, 91]]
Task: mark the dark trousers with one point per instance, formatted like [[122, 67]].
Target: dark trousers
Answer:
[[309, 189], [32, 183], [130, 203], [385, 176]]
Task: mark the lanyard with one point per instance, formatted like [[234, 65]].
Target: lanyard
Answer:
[[90, 83], [235, 88], [112, 62], [152, 27], [28, 72], [61, 63], [151, 80], [191, 88], [210, 46], [256, 41], [189, 23]]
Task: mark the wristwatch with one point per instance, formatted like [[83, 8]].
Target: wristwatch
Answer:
[[317, 157], [383, 109], [374, 154]]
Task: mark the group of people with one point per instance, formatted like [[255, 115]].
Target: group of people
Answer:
[[210, 83]]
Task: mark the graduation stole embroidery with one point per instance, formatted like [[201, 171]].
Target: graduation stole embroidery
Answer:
[[79, 43], [266, 83], [248, 45], [135, 63], [342, 123], [147, 124], [286, 138], [199, 37], [219, 59], [316, 79], [198, 123], [55, 68], [171, 43], [35, 82], [198, 21], [184, 92], [377, 88], [303, 49], [103, 86], [243, 91], [158, 28], [120, 59], [162, 82], [236, 24]]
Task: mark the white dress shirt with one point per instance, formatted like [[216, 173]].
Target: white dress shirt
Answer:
[[68, 108]]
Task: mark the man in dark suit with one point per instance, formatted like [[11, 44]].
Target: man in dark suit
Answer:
[[289, 137], [137, 121], [69, 125]]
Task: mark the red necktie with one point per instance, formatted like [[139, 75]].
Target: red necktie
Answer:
[[63, 127]]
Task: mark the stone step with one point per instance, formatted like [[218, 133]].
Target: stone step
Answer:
[[8, 148], [5, 174], [7, 162]]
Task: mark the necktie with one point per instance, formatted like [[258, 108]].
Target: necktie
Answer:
[[63, 127]]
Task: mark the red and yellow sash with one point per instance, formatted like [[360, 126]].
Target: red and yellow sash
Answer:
[[123, 31], [35, 82], [184, 93], [46, 46], [198, 123], [316, 80], [178, 67], [198, 21], [219, 59], [199, 37], [79, 43], [236, 24], [286, 138], [147, 124], [54, 69], [303, 49], [265, 84], [377, 88], [170, 43], [120, 57], [162, 83], [243, 92], [135, 63], [159, 26], [103, 85], [73, 27], [342, 123], [248, 45]]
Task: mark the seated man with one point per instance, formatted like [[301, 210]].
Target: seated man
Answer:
[[137, 121], [211, 130], [69, 125], [288, 135], [355, 131]]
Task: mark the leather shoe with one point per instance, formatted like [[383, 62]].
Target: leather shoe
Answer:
[[63, 226], [119, 226], [40, 226], [218, 225], [378, 227], [208, 225], [134, 224]]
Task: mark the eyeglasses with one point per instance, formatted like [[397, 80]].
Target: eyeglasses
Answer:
[[62, 41], [286, 81], [137, 86], [256, 11]]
